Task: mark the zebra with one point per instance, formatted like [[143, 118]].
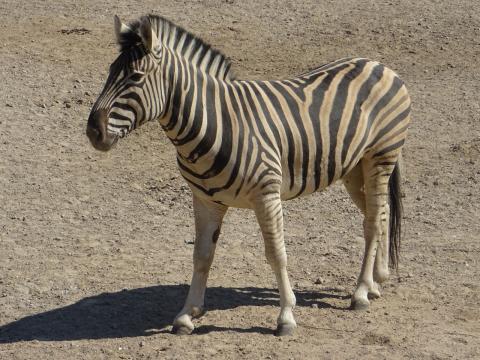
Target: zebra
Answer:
[[253, 144]]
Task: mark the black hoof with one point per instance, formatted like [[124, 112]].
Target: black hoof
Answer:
[[284, 330]]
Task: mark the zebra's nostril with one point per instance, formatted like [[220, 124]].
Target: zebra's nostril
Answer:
[[97, 130], [92, 132], [97, 123]]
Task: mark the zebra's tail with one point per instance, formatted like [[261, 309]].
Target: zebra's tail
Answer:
[[396, 211]]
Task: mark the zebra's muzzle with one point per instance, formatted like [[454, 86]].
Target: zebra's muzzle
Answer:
[[97, 132]]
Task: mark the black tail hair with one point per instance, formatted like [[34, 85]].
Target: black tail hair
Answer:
[[396, 211]]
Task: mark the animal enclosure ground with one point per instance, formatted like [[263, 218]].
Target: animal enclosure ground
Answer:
[[95, 249]]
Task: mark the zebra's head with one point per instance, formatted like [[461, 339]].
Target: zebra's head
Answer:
[[135, 89]]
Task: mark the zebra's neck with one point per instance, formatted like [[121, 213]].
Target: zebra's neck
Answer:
[[192, 110]]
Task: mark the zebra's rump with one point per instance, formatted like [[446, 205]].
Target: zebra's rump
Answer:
[[342, 112]]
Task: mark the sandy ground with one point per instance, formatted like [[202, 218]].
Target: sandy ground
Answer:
[[95, 249]]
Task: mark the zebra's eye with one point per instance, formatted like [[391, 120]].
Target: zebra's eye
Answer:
[[137, 76]]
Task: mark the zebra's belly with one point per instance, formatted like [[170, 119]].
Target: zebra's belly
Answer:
[[244, 189], [313, 179], [288, 193]]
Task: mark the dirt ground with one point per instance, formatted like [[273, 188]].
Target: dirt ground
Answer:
[[95, 249]]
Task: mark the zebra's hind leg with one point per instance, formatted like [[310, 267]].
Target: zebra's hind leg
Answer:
[[268, 209], [354, 184], [208, 220], [376, 175]]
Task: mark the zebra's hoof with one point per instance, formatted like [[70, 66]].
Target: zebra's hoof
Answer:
[[360, 304], [181, 330], [284, 330]]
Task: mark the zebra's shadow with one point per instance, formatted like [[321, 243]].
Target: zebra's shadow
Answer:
[[140, 312]]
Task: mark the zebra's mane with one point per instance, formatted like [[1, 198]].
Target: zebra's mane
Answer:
[[183, 43]]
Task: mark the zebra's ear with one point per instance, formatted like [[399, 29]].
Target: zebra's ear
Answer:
[[120, 29], [149, 38]]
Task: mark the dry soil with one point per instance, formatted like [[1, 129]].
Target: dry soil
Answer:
[[95, 249]]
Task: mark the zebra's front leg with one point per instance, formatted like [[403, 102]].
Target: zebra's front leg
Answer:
[[208, 220], [268, 210]]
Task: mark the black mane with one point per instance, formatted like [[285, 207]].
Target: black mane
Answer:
[[170, 36]]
